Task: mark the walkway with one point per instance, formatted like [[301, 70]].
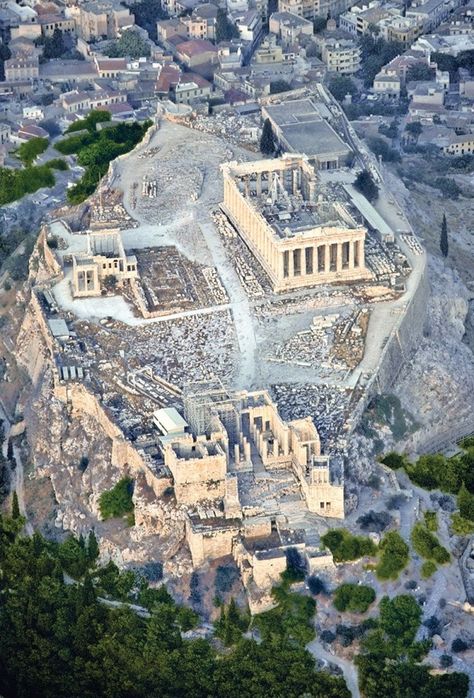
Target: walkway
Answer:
[[348, 668]]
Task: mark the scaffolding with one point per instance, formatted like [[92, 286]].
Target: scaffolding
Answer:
[[207, 400]]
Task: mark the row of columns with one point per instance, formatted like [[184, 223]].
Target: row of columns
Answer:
[[322, 259]]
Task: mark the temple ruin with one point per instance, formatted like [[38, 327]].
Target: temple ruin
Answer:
[[105, 258], [300, 236]]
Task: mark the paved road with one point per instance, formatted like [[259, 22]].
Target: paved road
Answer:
[[348, 668]]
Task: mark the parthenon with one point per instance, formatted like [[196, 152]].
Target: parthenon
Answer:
[[300, 237]]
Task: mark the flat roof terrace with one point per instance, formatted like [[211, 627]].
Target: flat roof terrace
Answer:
[[304, 129]]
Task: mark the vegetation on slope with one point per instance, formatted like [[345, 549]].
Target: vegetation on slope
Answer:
[[59, 640], [96, 148]]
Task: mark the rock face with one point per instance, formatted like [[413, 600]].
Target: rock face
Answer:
[[59, 438], [437, 386]]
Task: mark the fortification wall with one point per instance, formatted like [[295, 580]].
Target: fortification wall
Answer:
[[124, 455], [210, 545], [34, 343], [405, 338]]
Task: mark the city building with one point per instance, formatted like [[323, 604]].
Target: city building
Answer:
[[460, 145], [341, 56], [22, 68], [299, 236], [289, 26], [309, 9], [101, 19]]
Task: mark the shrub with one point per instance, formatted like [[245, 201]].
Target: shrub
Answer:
[[226, 576], [374, 520], [117, 501], [327, 636], [394, 460], [396, 501], [427, 545], [344, 546], [445, 661], [57, 164], [355, 598], [428, 568], [316, 585], [460, 526], [83, 463], [394, 556], [295, 567], [431, 521], [459, 645]]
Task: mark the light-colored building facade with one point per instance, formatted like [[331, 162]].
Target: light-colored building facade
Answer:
[[101, 19], [300, 238], [341, 56], [309, 9], [288, 26], [21, 68], [460, 145]]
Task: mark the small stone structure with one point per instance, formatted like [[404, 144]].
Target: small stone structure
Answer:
[[105, 257], [300, 237]]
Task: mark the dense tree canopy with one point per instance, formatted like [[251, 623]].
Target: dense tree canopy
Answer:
[[29, 151], [344, 546], [96, 148], [130, 45], [59, 640]]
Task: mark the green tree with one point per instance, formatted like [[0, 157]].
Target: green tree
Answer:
[[394, 556], [341, 85], [277, 86], [465, 501], [267, 140], [355, 598], [117, 501], [53, 46], [419, 71], [15, 507], [29, 151], [225, 29], [366, 185], [400, 619], [319, 24], [92, 547], [130, 45], [414, 128], [443, 241]]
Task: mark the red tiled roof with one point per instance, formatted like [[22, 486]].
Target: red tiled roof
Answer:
[[195, 47]]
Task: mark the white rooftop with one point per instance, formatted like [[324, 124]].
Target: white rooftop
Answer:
[[169, 420]]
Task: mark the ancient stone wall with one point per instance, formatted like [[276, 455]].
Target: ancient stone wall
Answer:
[[209, 545], [124, 455], [34, 343]]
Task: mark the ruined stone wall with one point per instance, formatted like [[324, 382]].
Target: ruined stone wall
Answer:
[[124, 455], [207, 545], [398, 349]]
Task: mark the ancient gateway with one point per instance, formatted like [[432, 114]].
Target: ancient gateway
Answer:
[[228, 443], [299, 235]]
